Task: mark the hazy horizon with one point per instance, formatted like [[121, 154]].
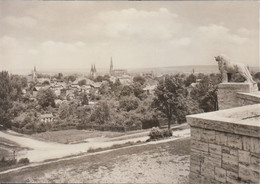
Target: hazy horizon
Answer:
[[69, 35]]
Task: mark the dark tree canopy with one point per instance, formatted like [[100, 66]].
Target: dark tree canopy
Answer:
[[46, 98], [139, 79], [128, 103], [82, 82], [5, 98], [190, 79], [170, 97], [127, 91], [100, 113], [206, 92]]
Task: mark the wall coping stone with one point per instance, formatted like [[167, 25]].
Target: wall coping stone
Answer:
[[253, 96], [240, 120], [238, 86]]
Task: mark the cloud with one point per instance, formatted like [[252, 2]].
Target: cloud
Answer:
[[136, 24], [219, 33], [32, 51], [25, 21], [186, 41]]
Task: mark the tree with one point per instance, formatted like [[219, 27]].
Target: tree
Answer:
[[5, 99], [128, 103], [64, 111], [206, 92], [257, 75], [190, 79], [139, 79], [46, 83], [60, 75], [84, 99], [127, 91], [82, 82], [17, 84], [170, 99], [138, 91], [46, 98], [105, 88], [100, 113], [71, 78]]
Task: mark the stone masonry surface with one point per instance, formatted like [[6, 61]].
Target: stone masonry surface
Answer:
[[225, 148], [228, 97]]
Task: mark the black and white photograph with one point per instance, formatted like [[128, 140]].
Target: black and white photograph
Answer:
[[129, 92]]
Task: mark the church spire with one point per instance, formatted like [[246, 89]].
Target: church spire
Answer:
[[34, 75], [111, 67]]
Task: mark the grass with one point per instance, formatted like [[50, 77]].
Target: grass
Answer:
[[76, 136], [70, 136], [115, 146], [4, 153]]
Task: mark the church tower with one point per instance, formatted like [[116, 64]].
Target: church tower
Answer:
[[93, 71], [34, 75], [111, 67]]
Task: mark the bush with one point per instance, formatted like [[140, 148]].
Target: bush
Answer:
[[24, 161], [157, 133], [6, 163]]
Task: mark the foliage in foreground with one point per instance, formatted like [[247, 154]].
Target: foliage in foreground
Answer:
[[157, 133]]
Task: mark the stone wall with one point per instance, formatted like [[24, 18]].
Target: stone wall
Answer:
[[248, 98], [225, 146], [227, 94]]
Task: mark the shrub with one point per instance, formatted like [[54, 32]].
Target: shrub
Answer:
[[157, 133], [24, 161]]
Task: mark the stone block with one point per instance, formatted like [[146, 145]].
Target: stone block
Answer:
[[195, 167], [246, 141], [194, 178], [196, 155], [244, 157], [246, 130], [255, 177], [212, 160], [244, 173], [255, 162], [251, 144], [207, 171], [215, 149], [220, 174], [202, 146], [221, 138], [205, 180], [230, 162], [196, 133], [232, 178], [255, 145], [208, 136], [234, 141], [230, 151]]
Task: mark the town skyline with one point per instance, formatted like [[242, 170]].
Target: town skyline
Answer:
[[135, 34]]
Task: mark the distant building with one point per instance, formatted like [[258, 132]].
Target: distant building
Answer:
[[116, 72], [149, 89], [47, 118], [93, 72]]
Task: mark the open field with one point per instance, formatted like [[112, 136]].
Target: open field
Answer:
[[153, 163], [76, 136]]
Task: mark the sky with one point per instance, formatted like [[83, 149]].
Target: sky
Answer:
[[72, 35]]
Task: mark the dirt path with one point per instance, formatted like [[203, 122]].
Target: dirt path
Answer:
[[39, 151]]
